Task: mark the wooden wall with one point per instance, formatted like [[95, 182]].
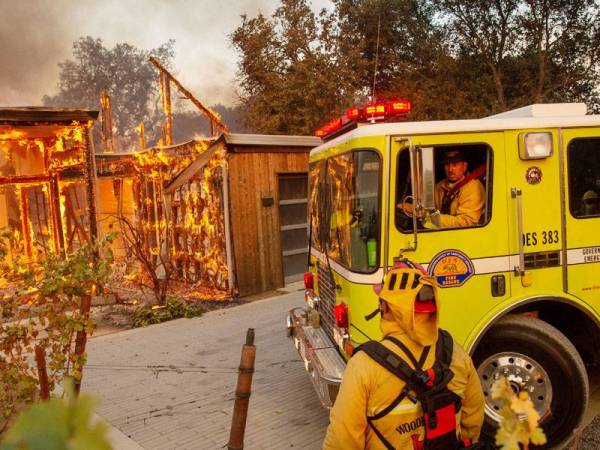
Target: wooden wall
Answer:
[[255, 228], [108, 209]]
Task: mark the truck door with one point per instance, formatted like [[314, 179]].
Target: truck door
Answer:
[[582, 215], [534, 205], [469, 260]]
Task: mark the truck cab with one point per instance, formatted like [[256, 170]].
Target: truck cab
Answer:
[[517, 260]]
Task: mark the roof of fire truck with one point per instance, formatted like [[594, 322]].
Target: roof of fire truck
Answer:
[[547, 115]]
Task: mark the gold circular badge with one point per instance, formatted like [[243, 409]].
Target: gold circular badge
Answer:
[[533, 175]]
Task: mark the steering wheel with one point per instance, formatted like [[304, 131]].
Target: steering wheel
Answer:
[[404, 217]]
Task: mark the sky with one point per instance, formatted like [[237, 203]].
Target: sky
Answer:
[[35, 35]]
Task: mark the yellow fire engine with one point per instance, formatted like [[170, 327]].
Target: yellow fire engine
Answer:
[[518, 270]]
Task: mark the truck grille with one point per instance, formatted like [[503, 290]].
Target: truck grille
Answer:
[[326, 286]]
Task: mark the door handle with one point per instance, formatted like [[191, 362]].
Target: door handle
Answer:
[[516, 194]]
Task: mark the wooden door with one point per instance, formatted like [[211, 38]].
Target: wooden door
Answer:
[[293, 220]]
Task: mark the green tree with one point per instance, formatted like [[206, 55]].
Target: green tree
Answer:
[[131, 81], [397, 48], [291, 75], [453, 59], [532, 51]]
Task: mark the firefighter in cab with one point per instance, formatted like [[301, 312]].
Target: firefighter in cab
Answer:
[[417, 389]]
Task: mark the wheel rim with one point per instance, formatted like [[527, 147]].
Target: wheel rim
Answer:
[[523, 373]]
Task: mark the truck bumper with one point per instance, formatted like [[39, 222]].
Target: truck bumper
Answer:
[[319, 354]]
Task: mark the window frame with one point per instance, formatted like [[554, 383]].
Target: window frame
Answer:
[[488, 186], [570, 179], [379, 204]]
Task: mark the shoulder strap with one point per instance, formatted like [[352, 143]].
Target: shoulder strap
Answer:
[[388, 359], [407, 352], [479, 171], [444, 347]]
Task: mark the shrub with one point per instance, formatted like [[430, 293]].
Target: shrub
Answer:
[[173, 309]]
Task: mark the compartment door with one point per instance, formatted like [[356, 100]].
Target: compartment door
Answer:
[[534, 200], [582, 213]]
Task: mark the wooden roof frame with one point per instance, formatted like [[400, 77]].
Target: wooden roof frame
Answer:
[[40, 114]]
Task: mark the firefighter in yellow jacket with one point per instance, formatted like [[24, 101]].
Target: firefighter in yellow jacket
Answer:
[[459, 198], [376, 409]]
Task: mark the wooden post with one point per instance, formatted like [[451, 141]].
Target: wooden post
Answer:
[[242, 393], [142, 135], [107, 134], [57, 225], [40, 360], [90, 181], [165, 90], [81, 337]]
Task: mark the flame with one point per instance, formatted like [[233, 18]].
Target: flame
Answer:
[[11, 135]]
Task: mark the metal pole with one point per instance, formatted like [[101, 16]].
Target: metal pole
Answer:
[[242, 393]]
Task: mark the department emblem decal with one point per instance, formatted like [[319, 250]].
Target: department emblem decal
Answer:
[[451, 268], [533, 175]]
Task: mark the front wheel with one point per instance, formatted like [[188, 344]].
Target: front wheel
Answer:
[[537, 358]]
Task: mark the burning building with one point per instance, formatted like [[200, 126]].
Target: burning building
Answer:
[[47, 173], [251, 213]]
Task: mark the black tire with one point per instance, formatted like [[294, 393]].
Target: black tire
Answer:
[[555, 354]]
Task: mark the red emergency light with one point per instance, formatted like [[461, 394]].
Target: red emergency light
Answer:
[[329, 127], [309, 282], [340, 312], [380, 110], [375, 110], [354, 113], [402, 106]]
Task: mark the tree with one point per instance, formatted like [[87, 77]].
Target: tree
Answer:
[[124, 70], [290, 72], [453, 59], [534, 51], [398, 49]]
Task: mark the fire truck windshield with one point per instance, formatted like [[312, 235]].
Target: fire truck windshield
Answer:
[[344, 208]]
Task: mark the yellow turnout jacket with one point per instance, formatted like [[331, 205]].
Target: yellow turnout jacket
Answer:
[[465, 208], [368, 388]]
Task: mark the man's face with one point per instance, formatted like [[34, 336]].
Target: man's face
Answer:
[[455, 171]]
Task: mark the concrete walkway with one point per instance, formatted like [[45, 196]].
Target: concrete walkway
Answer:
[[170, 386]]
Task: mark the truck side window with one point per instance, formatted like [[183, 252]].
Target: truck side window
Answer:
[[462, 190], [351, 215], [583, 159]]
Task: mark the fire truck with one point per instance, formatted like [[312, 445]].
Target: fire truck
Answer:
[[519, 286]]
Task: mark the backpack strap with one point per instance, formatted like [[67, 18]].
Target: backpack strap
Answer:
[[444, 347], [388, 359], [417, 364]]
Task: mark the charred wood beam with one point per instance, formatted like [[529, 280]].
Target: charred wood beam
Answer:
[[215, 122]]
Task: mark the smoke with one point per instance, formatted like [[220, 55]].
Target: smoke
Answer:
[[33, 39], [35, 35]]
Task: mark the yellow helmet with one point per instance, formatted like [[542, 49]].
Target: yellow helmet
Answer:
[[590, 195], [407, 285], [409, 293]]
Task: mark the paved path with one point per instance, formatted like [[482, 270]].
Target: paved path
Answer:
[[187, 401]]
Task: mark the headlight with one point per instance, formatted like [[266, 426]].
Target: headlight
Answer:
[[535, 145]]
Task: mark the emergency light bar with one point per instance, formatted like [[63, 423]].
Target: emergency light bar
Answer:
[[370, 113]]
